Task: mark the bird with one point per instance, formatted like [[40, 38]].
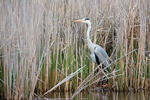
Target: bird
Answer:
[[98, 54]]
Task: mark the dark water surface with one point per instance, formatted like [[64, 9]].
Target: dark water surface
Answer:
[[98, 96]]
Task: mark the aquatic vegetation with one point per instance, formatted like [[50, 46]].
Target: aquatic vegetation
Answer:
[[40, 45]]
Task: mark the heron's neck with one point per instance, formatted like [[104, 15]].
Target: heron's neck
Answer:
[[89, 42]]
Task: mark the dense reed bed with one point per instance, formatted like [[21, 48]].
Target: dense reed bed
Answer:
[[40, 45]]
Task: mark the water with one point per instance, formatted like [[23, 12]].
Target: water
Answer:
[[99, 96]]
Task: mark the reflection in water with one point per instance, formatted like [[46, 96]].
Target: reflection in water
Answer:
[[100, 96]]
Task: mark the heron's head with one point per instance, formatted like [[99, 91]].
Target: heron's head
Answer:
[[83, 20]]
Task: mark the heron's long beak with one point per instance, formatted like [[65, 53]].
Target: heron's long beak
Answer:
[[79, 21]]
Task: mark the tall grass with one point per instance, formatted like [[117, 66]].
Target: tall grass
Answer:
[[40, 45]]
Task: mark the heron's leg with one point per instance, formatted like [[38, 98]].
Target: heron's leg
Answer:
[[100, 77]]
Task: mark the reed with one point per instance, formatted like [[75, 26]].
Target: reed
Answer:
[[40, 45]]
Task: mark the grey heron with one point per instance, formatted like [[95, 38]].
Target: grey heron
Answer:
[[98, 54]]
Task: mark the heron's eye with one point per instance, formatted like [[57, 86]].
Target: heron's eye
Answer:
[[86, 18]]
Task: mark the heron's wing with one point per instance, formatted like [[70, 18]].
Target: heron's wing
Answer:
[[101, 54]]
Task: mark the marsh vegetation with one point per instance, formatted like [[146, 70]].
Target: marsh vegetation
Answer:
[[40, 45]]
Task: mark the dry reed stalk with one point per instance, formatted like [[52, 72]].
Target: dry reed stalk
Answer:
[[62, 74], [77, 60], [131, 48], [66, 73], [57, 53], [46, 73], [126, 51], [121, 67], [16, 95], [142, 41], [131, 21], [81, 69]]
